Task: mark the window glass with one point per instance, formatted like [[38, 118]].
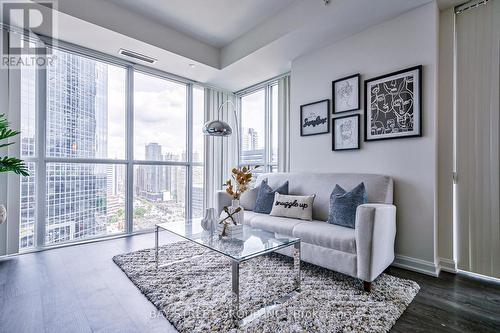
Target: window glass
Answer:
[[28, 111], [28, 209], [198, 122], [253, 123], [159, 195], [198, 189], [159, 119], [85, 108], [84, 201], [274, 124]]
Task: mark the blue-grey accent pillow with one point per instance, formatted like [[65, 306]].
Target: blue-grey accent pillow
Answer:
[[343, 205], [265, 197]]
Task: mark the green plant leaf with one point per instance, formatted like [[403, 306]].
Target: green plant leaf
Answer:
[[3, 122], [12, 164], [7, 133], [6, 144]]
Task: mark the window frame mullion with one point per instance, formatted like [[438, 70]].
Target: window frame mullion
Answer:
[[189, 157], [129, 144], [41, 155]]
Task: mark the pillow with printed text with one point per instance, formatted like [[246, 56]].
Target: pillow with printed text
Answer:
[[293, 206]]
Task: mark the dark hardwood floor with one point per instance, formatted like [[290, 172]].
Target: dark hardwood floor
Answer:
[[80, 289]]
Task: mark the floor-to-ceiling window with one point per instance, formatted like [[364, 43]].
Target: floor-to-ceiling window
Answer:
[[259, 128], [111, 149]]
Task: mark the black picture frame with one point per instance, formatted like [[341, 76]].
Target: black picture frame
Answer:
[[416, 109], [334, 131], [334, 93], [303, 109]]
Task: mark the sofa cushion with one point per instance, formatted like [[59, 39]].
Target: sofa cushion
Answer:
[[378, 187], [280, 225], [248, 198], [248, 216], [327, 235], [343, 205], [265, 197], [293, 206]]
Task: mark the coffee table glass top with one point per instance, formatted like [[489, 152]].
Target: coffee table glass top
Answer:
[[253, 242]]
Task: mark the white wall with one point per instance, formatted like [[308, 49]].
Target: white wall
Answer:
[[408, 40]]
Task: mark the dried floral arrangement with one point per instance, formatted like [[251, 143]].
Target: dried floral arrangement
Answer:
[[241, 177]]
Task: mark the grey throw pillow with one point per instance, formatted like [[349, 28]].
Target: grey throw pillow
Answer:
[[249, 197], [265, 197], [343, 205], [293, 206]]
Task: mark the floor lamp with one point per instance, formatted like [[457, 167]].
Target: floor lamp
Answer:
[[221, 128]]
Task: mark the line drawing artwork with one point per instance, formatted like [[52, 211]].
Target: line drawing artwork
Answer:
[[392, 106], [345, 93], [346, 133], [346, 129]]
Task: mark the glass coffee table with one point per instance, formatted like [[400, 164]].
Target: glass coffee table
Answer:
[[253, 243]]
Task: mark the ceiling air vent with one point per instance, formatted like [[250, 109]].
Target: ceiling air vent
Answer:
[[138, 56]]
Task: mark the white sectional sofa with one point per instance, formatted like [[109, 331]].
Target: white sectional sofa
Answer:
[[363, 252]]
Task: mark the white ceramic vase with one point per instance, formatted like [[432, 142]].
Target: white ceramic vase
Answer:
[[3, 214], [209, 222], [238, 217]]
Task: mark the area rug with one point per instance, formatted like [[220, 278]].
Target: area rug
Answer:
[[194, 294]]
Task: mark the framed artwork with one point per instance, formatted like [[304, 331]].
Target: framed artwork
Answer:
[[346, 94], [346, 133], [315, 118], [393, 105]]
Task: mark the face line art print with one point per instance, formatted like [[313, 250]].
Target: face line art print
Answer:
[[392, 106], [345, 92]]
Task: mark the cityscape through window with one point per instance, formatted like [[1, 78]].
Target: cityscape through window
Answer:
[[259, 129], [84, 174]]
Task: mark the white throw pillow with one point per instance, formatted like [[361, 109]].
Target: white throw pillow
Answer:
[[293, 206]]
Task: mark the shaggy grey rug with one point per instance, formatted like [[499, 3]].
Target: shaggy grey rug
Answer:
[[194, 294]]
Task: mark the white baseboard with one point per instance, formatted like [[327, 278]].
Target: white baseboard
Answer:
[[448, 265], [417, 265], [479, 276]]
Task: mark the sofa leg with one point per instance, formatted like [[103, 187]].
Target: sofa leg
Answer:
[[367, 286]]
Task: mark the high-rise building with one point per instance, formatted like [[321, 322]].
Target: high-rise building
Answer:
[[154, 182], [76, 128], [249, 139]]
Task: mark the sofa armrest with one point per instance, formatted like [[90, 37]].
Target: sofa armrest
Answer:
[[375, 234], [223, 199]]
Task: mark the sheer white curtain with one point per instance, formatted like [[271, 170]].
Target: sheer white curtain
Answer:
[[221, 154], [477, 139], [284, 124]]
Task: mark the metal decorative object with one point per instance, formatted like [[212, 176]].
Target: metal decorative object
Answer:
[[217, 128], [221, 128], [209, 221]]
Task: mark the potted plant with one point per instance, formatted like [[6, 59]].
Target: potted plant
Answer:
[[7, 163], [235, 186]]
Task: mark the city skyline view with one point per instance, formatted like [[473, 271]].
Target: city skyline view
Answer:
[[85, 118]]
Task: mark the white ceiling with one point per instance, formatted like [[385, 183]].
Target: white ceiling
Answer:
[[215, 22], [265, 50]]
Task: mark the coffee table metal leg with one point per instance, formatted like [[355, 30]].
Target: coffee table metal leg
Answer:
[[296, 265], [156, 246], [236, 288]]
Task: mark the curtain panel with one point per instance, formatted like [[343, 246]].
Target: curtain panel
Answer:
[[221, 153], [284, 124], [477, 139]]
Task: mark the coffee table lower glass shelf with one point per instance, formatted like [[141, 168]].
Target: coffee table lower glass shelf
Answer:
[[252, 244]]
